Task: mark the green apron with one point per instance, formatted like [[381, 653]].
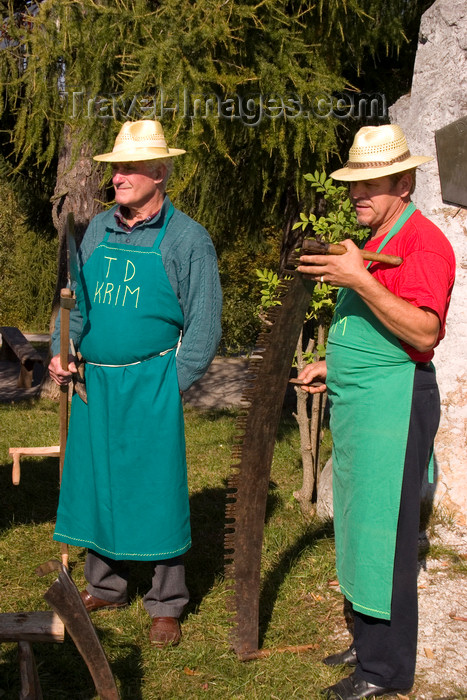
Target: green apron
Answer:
[[124, 490], [370, 384]]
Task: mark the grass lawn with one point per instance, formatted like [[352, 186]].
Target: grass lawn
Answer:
[[297, 604]]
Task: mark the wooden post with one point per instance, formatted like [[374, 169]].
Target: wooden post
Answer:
[[67, 302], [30, 685]]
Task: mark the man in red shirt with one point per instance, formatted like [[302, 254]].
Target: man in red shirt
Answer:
[[384, 404]]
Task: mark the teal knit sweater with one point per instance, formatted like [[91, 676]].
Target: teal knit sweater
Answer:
[[190, 262]]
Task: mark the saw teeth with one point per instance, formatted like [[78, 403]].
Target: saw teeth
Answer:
[[275, 338], [230, 605]]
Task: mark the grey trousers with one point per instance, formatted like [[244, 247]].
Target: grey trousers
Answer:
[[108, 578]]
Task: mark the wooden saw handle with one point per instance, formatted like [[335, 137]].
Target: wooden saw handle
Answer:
[[311, 246]]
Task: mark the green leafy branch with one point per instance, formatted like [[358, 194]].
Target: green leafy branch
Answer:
[[340, 221], [270, 291]]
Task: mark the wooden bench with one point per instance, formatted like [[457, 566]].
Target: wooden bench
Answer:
[[16, 346], [18, 452], [68, 612], [24, 628]]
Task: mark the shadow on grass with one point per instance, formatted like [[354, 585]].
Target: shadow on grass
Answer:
[[205, 560], [212, 414], [287, 426], [63, 673], [35, 499], [273, 580]]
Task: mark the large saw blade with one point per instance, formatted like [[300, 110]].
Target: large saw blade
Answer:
[[269, 371]]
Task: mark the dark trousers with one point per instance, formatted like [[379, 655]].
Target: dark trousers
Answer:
[[386, 650], [108, 578]]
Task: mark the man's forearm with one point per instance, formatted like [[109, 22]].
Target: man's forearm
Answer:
[[415, 326], [418, 327]]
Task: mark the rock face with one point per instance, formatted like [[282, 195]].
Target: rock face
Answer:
[[324, 505], [439, 97]]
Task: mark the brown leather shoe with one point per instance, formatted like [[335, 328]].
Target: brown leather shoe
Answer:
[[165, 631], [92, 603]]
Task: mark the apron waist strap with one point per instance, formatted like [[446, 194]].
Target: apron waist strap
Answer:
[[138, 362]]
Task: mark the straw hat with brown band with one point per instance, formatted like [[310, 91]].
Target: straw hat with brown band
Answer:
[[378, 151], [141, 140]]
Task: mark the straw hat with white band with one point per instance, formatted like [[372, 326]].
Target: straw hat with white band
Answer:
[[141, 140], [378, 151]]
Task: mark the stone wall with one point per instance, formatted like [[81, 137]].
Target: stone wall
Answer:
[[437, 98]]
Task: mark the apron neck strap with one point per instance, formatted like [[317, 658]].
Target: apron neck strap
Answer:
[[161, 233], [403, 218]]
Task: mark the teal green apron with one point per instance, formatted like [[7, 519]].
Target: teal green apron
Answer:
[[124, 490], [370, 384]]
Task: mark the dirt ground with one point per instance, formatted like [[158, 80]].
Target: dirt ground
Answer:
[[442, 638], [441, 672]]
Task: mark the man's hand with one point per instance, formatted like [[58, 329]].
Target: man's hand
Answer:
[[346, 270], [59, 375], [315, 370], [416, 326]]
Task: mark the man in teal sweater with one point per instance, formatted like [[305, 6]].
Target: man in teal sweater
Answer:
[[147, 323]]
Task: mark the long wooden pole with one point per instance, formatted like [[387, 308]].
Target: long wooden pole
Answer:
[[66, 303]]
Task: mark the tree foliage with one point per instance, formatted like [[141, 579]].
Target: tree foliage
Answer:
[[95, 63], [27, 258], [250, 89]]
